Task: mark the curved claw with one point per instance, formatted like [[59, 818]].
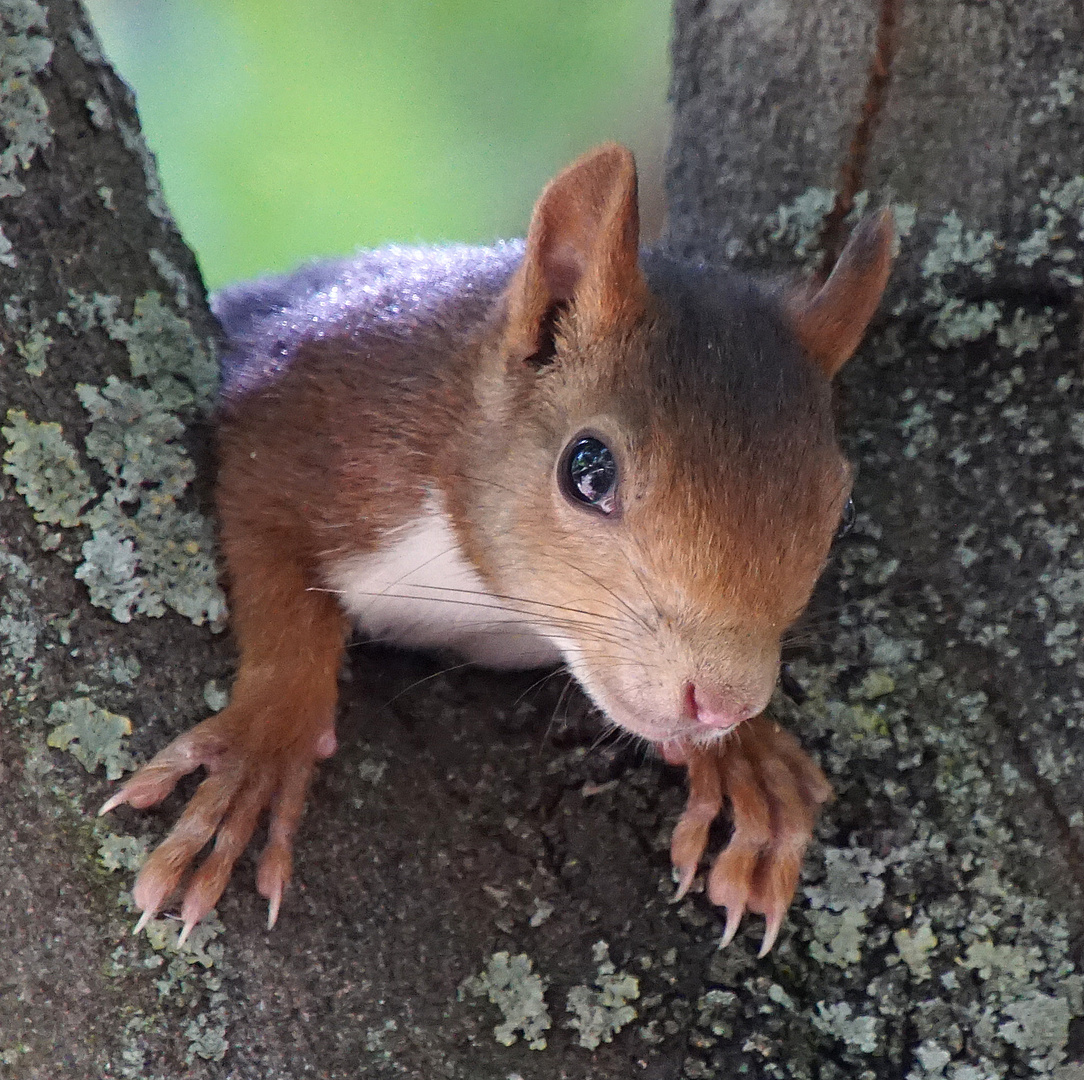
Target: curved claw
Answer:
[[733, 921], [686, 876], [114, 800], [203, 745], [273, 905], [182, 937], [273, 875], [250, 770], [772, 925], [775, 791]]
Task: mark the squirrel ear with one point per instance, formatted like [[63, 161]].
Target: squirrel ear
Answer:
[[829, 321], [583, 249]]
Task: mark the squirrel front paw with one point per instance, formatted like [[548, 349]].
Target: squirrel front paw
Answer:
[[254, 762], [775, 791]]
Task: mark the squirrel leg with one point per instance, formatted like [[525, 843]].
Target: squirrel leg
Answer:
[[259, 752], [775, 792]]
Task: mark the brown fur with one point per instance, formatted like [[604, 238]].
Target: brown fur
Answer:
[[669, 610]]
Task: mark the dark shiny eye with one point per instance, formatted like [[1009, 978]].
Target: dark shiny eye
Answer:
[[846, 519], [589, 474]]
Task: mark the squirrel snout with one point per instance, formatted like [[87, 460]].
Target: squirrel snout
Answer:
[[717, 708]]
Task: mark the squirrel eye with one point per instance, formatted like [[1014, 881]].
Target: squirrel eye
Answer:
[[589, 474], [846, 519]]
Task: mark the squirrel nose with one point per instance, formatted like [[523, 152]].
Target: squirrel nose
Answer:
[[714, 708]]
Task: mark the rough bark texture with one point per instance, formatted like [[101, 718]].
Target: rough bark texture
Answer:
[[939, 926], [942, 936]]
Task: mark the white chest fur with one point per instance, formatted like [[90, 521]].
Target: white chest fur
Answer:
[[420, 590]]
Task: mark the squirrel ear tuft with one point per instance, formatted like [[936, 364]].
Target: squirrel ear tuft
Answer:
[[583, 249], [830, 321]]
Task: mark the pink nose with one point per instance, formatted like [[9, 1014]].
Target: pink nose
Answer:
[[716, 708]]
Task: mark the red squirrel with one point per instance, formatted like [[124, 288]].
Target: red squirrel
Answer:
[[559, 450]]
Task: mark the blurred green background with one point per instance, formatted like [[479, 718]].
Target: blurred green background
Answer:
[[287, 129]]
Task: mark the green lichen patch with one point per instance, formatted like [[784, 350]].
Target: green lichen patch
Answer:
[[956, 249], [171, 275], [1062, 93], [1061, 209], [988, 960], [191, 978], [117, 852], [7, 252], [216, 697], [136, 440], [124, 670], [157, 558], [1039, 1024], [156, 199], [93, 735], [34, 350], [46, 470], [86, 45], [954, 246], [852, 886], [1026, 333], [914, 947], [144, 553], [798, 224], [22, 623], [510, 984], [24, 112], [838, 938], [109, 571], [206, 1039], [202, 949], [852, 880], [839, 1021], [98, 309], [957, 321], [163, 350], [601, 1011], [15, 640]]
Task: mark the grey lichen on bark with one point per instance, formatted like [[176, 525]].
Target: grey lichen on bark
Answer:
[[107, 374], [938, 928], [943, 933]]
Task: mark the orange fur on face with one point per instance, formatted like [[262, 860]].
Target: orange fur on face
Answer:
[[731, 486], [418, 403]]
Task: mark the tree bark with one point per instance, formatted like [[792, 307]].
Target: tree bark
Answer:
[[940, 921], [943, 932]]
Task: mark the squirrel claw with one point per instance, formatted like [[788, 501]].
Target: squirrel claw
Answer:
[[733, 921], [182, 937], [772, 925], [243, 780], [144, 918], [112, 802], [685, 880], [274, 902], [775, 791]]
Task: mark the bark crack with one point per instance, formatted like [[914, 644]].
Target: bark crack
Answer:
[[852, 172]]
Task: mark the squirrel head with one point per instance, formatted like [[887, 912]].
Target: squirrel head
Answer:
[[658, 454]]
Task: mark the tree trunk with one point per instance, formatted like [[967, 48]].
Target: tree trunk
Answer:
[[944, 921], [941, 917]]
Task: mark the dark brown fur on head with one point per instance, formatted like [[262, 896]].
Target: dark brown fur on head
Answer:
[[712, 394], [742, 445], [714, 397]]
